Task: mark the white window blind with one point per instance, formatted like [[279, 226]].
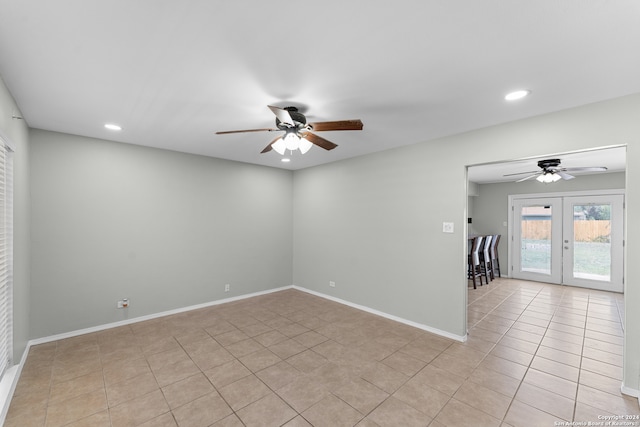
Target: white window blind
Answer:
[[6, 257]]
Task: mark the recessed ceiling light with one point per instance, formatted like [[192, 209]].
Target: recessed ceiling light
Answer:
[[285, 160], [112, 126], [518, 94]]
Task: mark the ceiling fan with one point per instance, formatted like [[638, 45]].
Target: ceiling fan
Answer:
[[297, 132], [550, 171]]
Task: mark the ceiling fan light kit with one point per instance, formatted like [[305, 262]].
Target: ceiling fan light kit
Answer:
[[291, 141], [298, 133], [305, 145], [279, 146], [547, 178]]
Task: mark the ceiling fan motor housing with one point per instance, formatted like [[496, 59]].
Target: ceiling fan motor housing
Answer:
[[549, 163], [299, 120]]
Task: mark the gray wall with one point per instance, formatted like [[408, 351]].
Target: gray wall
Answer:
[[17, 132], [164, 229], [374, 223], [491, 206]]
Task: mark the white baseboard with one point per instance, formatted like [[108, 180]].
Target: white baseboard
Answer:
[[150, 317], [631, 392], [106, 326], [460, 338], [9, 383]]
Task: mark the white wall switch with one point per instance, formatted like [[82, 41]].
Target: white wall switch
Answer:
[[447, 227]]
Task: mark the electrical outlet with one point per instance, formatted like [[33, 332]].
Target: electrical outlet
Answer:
[[226, 287], [123, 303], [332, 283]]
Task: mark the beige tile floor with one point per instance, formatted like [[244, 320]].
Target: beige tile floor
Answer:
[[536, 355]]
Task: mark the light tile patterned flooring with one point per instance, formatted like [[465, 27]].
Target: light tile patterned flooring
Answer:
[[537, 354]]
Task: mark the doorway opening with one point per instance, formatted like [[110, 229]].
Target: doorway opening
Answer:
[[489, 207]]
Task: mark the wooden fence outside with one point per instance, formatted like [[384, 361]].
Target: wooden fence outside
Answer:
[[584, 231]]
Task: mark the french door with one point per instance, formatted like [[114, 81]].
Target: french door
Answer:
[[570, 240]]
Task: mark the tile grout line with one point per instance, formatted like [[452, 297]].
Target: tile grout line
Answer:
[[557, 306], [502, 336], [529, 365], [584, 335]]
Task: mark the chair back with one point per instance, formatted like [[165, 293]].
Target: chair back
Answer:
[[486, 249], [494, 246], [475, 250]]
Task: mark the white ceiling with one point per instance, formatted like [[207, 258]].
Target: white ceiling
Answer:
[[174, 72]]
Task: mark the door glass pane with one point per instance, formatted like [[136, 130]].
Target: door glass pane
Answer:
[[535, 239], [592, 241]]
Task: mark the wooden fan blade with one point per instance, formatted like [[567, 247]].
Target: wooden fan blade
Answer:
[[282, 114], [337, 125], [317, 140], [246, 130], [528, 177], [268, 147]]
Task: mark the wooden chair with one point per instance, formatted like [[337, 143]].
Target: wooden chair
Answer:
[[495, 262], [474, 268], [485, 259]]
